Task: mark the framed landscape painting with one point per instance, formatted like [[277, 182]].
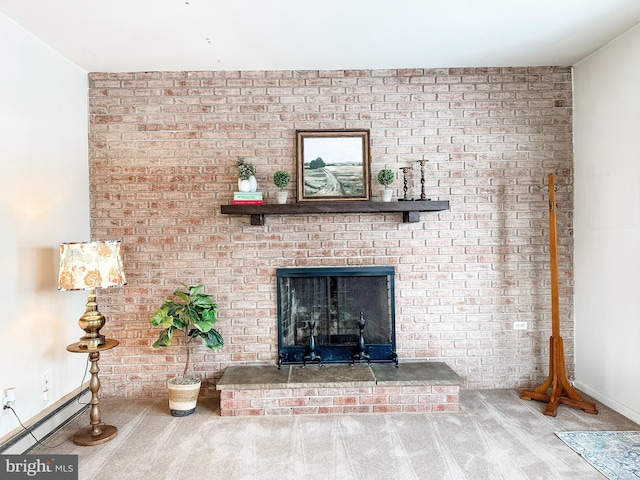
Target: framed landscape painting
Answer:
[[333, 165]]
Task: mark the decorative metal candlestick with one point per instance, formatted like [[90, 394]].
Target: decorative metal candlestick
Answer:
[[360, 354], [422, 194], [405, 170], [311, 351]]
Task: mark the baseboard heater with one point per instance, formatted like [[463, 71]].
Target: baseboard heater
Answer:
[[22, 443]]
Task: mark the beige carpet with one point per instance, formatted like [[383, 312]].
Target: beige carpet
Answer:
[[494, 436]]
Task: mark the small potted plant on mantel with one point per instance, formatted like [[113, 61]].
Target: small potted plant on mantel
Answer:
[[193, 313], [281, 180], [386, 178], [246, 176]]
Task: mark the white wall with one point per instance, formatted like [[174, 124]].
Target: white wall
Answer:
[[607, 224], [44, 200]]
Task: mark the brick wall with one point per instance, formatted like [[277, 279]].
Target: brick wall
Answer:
[[163, 147]]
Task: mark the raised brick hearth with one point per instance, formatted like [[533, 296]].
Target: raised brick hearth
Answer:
[[338, 388]]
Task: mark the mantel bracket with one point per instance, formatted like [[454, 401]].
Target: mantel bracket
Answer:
[[257, 219]]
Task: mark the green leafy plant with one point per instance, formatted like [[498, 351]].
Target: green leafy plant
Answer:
[[281, 179], [386, 177], [245, 169], [194, 313]]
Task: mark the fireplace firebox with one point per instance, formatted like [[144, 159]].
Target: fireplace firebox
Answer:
[[336, 315]]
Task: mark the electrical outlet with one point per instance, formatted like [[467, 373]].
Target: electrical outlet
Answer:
[[8, 399], [519, 325]]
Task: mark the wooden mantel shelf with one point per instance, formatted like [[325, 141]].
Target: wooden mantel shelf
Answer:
[[410, 210]]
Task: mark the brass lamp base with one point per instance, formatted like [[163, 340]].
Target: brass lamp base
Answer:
[[97, 433], [86, 437], [91, 322]]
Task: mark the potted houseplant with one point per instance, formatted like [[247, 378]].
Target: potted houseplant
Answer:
[[281, 180], [386, 178], [193, 313], [246, 176]]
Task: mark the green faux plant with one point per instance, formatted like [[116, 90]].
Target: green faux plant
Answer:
[[281, 179], [386, 177], [194, 313], [245, 169]]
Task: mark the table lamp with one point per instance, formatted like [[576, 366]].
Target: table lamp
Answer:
[[87, 266]]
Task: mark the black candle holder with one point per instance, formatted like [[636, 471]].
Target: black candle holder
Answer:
[[406, 197], [423, 196]]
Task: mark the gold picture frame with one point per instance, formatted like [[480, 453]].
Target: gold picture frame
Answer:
[[333, 165]]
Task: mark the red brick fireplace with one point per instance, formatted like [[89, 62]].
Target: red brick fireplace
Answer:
[[163, 149]]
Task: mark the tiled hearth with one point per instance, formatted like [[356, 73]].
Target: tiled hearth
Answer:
[[338, 388]]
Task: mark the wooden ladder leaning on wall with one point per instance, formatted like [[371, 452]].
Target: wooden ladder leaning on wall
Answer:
[[561, 390]]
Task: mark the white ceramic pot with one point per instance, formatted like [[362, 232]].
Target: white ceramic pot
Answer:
[[244, 185], [282, 196], [253, 184], [386, 194]]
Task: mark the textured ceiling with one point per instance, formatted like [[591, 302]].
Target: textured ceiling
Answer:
[[143, 35]]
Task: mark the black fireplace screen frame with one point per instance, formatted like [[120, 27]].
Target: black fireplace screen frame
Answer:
[[334, 320]]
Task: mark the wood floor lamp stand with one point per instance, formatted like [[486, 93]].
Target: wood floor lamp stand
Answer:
[[561, 390], [97, 433]]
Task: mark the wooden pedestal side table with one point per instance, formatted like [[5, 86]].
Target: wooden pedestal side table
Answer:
[[96, 433]]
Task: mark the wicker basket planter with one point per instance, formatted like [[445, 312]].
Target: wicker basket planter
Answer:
[[193, 314], [183, 396]]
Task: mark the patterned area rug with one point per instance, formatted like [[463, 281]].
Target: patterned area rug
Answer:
[[614, 454]]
